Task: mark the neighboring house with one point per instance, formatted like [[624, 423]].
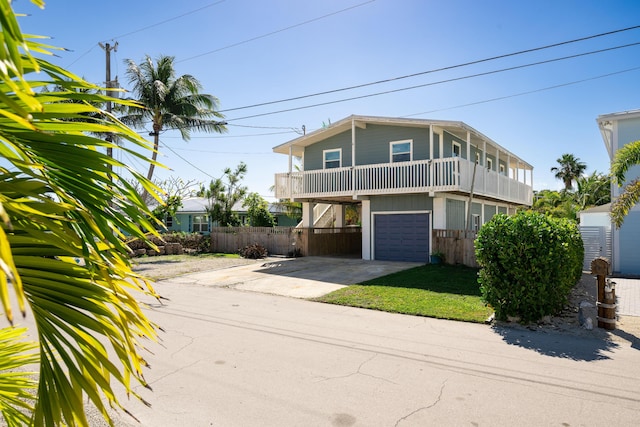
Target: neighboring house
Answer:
[[192, 216], [619, 129], [409, 176]]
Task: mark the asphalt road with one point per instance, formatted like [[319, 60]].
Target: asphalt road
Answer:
[[234, 358]]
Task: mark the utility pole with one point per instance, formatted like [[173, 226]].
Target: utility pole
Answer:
[[108, 48]]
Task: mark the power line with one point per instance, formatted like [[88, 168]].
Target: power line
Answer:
[[235, 136], [222, 152], [276, 31], [186, 161], [486, 73], [167, 20], [435, 70], [500, 98]]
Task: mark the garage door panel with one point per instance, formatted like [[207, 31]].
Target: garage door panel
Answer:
[[402, 237]]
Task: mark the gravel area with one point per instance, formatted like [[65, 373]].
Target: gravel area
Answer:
[[166, 267]]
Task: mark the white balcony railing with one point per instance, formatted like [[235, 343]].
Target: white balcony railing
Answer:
[[451, 174]]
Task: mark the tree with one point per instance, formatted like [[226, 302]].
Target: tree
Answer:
[[570, 169], [626, 157], [169, 102], [223, 196], [593, 190], [63, 216], [258, 211], [558, 204], [174, 191]]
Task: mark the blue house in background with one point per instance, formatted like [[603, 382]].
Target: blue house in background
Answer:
[[192, 217], [619, 129]]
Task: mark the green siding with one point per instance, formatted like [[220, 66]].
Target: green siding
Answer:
[[455, 214], [373, 143], [476, 209], [313, 157], [489, 212], [401, 203], [502, 210], [447, 139]]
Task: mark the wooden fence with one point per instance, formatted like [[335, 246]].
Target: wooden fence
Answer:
[[277, 240], [456, 245], [329, 241], [289, 240]]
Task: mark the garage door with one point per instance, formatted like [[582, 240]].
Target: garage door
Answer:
[[401, 237]]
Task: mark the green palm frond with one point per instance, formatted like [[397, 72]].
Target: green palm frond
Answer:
[[64, 211]]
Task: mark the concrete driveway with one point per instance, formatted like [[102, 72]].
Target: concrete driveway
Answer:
[[306, 277]]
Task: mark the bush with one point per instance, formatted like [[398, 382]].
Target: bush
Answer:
[[254, 251], [529, 264], [194, 242]]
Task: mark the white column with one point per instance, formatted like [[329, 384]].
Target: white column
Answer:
[[484, 166], [367, 230], [353, 159], [290, 170], [431, 141], [307, 214], [338, 211], [441, 137]]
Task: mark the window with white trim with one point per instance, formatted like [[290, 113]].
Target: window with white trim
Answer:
[[477, 157], [168, 221], [332, 158], [200, 223], [456, 149], [401, 151], [489, 164], [503, 170], [475, 222]]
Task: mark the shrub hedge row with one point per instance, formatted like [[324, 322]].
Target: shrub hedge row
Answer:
[[529, 264]]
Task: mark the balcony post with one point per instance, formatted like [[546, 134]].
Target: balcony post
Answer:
[[307, 214], [290, 178], [353, 158]]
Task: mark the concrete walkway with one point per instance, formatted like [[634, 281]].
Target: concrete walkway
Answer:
[[628, 296], [307, 277]]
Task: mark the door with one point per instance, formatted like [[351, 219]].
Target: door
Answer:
[[401, 237]]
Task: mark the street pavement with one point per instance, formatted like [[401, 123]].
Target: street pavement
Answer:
[[234, 358]]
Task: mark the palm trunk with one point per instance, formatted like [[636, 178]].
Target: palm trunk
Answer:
[[154, 156]]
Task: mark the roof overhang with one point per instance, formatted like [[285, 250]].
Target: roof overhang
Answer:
[[605, 124]]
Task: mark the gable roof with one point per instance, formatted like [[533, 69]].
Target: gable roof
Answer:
[[456, 128]]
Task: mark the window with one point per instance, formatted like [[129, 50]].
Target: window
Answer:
[[332, 158], [456, 149], [400, 151], [489, 164], [475, 222], [477, 157], [168, 221], [502, 170], [200, 223]]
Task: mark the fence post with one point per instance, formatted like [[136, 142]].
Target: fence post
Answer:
[[606, 294]]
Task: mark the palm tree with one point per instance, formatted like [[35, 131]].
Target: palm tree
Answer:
[[626, 157], [593, 190], [570, 169], [169, 102], [63, 217]]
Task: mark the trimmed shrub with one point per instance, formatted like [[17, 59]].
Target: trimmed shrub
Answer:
[[254, 251], [529, 264]]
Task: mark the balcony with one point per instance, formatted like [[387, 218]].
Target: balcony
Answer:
[[437, 175]]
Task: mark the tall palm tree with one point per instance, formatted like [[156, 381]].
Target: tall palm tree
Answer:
[[626, 157], [63, 217], [570, 169], [169, 102]]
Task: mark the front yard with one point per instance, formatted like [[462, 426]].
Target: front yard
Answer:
[[440, 291]]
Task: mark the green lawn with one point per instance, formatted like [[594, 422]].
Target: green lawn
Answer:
[[441, 291]]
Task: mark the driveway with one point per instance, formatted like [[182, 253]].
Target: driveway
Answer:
[[306, 277]]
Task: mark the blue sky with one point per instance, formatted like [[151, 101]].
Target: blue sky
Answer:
[[253, 51]]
